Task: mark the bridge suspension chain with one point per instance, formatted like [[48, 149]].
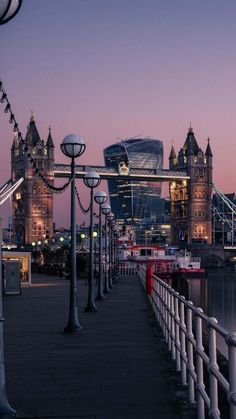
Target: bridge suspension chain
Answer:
[[225, 199], [3, 187], [24, 146], [227, 214], [5, 194], [222, 217]]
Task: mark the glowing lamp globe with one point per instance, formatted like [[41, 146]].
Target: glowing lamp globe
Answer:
[[8, 9], [73, 146]]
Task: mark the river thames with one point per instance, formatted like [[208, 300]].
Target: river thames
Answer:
[[216, 295]]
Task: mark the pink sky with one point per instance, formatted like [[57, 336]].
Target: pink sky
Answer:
[[110, 69]]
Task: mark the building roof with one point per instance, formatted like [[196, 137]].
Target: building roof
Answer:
[[172, 155], [49, 140], [144, 145], [190, 146], [32, 135], [208, 149]]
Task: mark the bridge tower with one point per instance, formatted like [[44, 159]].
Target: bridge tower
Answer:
[[33, 202], [191, 220]]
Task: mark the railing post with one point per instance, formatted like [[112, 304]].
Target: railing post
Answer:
[[213, 365], [172, 321], [183, 331], [231, 342], [155, 298], [162, 309], [190, 364], [167, 317], [149, 280], [159, 301], [177, 341], [199, 365]]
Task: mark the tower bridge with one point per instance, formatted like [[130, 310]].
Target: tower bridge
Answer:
[[189, 176]]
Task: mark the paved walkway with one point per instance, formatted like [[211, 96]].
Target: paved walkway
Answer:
[[113, 368]]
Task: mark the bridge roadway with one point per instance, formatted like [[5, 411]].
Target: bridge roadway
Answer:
[[115, 367], [150, 175]]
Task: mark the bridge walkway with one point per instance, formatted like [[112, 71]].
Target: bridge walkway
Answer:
[[114, 367]]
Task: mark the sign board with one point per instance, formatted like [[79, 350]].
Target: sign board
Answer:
[[12, 278]]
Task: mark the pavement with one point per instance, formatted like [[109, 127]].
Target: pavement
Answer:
[[117, 366]]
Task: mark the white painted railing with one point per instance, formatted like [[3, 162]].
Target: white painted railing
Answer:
[[182, 326], [127, 268]]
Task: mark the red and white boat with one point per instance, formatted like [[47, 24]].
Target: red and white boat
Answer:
[[186, 266], [151, 255], [179, 264]]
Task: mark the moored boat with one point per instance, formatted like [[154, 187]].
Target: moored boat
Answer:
[[186, 266], [162, 263]]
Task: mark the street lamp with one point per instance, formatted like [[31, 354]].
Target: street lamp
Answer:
[[100, 197], [73, 146], [8, 9], [110, 218], [106, 209], [91, 180], [95, 234]]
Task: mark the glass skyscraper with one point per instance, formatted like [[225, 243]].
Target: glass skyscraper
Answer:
[[133, 201]]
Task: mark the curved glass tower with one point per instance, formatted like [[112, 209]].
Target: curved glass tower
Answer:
[[133, 201]]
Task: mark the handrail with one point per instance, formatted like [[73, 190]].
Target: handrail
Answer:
[[182, 326]]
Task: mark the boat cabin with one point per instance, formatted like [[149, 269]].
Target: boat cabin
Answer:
[[141, 252]]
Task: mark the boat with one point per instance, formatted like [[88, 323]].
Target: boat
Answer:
[[154, 256], [186, 266], [162, 262]]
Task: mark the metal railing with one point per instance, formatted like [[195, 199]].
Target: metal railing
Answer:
[[127, 268], [194, 351]]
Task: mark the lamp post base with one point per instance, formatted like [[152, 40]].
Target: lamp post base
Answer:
[[106, 290], [6, 410], [100, 297], [91, 308], [72, 328]]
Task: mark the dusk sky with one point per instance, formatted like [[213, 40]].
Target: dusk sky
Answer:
[[111, 69]]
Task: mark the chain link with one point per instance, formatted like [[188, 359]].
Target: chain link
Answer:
[[84, 211], [24, 146]]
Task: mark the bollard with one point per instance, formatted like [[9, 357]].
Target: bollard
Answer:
[[149, 280]]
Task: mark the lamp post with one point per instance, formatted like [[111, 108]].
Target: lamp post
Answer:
[[91, 180], [73, 146], [8, 9], [110, 218], [115, 255], [106, 209], [95, 234], [100, 197]]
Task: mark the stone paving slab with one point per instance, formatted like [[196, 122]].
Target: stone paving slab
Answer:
[[112, 368]]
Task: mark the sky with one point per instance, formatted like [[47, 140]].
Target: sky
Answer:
[[112, 69]]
